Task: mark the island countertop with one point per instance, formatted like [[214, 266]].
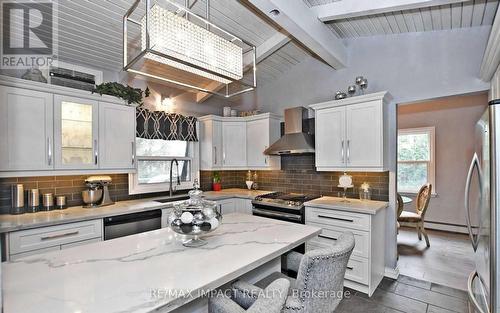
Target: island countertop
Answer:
[[121, 275], [9, 223], [353, 205]]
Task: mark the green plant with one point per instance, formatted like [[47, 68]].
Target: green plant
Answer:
[[216, 177], [127, 93]]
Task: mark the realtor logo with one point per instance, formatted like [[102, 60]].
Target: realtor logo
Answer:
[[28, 34]]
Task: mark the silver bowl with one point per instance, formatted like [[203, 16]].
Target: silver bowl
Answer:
[[91, 197]]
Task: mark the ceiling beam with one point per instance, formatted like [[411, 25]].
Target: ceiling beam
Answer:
[[299, 21], [349, 9], [267, 48]]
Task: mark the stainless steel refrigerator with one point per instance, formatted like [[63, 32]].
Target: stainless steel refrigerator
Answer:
[[483, 215]]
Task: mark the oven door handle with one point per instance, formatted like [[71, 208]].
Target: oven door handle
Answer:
[[280, 215]]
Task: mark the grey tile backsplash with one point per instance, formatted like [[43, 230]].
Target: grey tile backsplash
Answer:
[[298, 174]]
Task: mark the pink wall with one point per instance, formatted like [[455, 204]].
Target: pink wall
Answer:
[[454, 119]]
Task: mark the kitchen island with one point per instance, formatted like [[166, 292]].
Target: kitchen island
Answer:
[[147, 272]]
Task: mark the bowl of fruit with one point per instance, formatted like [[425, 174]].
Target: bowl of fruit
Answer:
[[194, 217]]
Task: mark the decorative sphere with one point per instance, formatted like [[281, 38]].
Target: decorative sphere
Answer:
[[177, 222], [358, 80], [364, 83], [187, 217], [198, 216], [351, 89], [186, 228], [208, 213], [206, 226], [214, 222]]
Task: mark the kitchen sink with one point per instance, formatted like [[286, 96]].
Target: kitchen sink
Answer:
[[173, 198]]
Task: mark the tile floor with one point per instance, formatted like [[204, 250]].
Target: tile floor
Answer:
[[434, 264], [406, 294]]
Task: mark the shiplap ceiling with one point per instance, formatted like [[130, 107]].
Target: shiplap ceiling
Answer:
[[90, 32], [444, 17]]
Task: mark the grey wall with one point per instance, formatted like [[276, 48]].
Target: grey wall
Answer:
[[412, 66]]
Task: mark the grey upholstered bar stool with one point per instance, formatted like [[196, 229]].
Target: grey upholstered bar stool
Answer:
[[319, 285]]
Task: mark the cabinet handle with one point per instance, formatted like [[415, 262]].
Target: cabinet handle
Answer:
[[342, 153], [337, 218], [60, 235], [265, 156], [220, 209], [133, 153], [95, 152], [350, 268], [327, 237], [215, 155], [348, 151], [223, 157], [49, 152]]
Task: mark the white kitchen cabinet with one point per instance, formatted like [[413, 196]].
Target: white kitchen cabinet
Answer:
[[210, 144], [366, 266], [116, 136], [234, 148], [63, 131], [227, 206], [238, 143], [330, 134], [262, 131], [76, 135], [235, 205], [26, 130], [38, 240], [353, 134], [364, 133]]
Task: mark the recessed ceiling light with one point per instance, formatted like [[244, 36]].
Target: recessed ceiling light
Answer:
[[274, 12]]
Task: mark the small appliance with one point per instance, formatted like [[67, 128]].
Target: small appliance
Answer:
[[97, 194]]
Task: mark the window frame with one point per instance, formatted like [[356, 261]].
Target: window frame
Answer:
[[431, 169], [133, 178]]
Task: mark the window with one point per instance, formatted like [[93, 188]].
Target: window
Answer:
[[154, 158], [415, 159]]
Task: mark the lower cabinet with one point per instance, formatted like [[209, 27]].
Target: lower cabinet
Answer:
[[366, 265], [235, 205], [45, 239]]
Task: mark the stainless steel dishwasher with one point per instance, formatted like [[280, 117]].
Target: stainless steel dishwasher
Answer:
[[130, 224]]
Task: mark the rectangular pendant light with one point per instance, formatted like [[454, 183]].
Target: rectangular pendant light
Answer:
[[185, 49], [176, 36]]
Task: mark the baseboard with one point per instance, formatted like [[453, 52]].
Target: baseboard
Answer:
[[447, 227], [392, 272]]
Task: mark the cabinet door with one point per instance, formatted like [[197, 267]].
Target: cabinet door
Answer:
[[75, 133], [330, 134], [364, 135], [26, 130], [257, 142], [234, 153], [217, 144], [116, 136], [227, 206]]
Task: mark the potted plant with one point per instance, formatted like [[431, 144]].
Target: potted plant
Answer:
[[216, 182]]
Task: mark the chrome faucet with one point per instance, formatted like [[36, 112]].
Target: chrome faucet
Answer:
[[178, 177]]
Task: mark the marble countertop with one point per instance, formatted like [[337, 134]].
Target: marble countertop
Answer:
[[9, 223], [354, 205], [121, 275], [234, 193]]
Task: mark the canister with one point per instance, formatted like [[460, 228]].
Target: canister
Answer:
[[33, 200], [61, 203], [48, 202], [17, 198]]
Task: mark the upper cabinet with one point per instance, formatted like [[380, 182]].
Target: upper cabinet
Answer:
[[234, 144], [76, 134], [26, 130], [352, 134], [43, 131], [116, 136], [238, 142]]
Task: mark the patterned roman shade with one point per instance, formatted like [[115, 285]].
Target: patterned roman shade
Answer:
[[166, 126]]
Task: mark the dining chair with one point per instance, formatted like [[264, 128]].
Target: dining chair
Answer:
[[417, 219], [401, 207], [319, 271]]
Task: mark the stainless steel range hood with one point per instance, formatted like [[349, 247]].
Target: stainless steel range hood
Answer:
[[295, 140]]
